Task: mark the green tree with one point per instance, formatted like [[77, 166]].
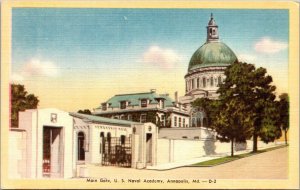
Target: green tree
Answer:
[[253, 88], [283, 107], [227, 118], [232, 124], [270, 129], [264, 100], [20, 101], [85, 111]]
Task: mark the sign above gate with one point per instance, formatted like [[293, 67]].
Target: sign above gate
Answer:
[[53, 117]]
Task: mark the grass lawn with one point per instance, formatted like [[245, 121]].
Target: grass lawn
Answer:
[[229, 158]]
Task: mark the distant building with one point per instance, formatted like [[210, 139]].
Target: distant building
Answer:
[[159, 109], [206, 72]]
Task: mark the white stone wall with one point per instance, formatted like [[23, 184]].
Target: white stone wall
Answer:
[[163, 151], [17, 154], [190, 133], [186, 149], [27, 121], [173, 150]]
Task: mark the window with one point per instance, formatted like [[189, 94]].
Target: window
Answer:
[[104, 107], [210, 31], [211, 81], [162, 104], [198, 82], [196, 137], [122, 117], [129, 117], [144, 103], [143, 118], [193, 84], [102, 143], [162, 119], [184, 137], [123, 104], [193, 122], [80, 146], [186, 87], [175, 121], [204, 82], [116, 117], [183, 122], [179, 122], [219, 80], [198, 122]]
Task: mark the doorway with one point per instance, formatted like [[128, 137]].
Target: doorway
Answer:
[[52, 151], [148, 148]]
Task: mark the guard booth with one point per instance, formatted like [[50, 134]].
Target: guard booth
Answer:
[[144, 142], [48, 142]]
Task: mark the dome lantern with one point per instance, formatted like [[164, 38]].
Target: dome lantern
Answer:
[[212, 30]]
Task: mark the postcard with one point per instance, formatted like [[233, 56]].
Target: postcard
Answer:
[[149, 94]]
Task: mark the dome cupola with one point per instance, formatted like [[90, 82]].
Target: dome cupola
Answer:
[[212, 30], [213, 52]]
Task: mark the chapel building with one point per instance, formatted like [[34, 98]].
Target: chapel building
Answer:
[[205, 72]]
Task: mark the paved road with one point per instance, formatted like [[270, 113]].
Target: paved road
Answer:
[[269, 165]]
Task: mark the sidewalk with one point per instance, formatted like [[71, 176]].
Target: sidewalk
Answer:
[[182, 163]]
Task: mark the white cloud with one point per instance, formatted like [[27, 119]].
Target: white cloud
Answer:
[[15, 77], [165, 58], [36, 67], [269, 46], [248, 58]]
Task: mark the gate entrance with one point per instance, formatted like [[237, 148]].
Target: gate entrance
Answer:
[[116, 151], [52, 152]]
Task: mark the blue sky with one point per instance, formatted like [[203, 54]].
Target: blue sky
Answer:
[[106, 51]]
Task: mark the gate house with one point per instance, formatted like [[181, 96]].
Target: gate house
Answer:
[[97, 140], [112, 142], [56, 144], [48, 142]]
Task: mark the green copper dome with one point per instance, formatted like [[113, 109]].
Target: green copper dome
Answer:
[[212, 54]]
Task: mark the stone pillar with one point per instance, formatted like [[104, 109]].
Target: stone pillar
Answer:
[[135, 157]]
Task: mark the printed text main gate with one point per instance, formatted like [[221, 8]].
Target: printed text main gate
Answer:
[[116, 151]]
